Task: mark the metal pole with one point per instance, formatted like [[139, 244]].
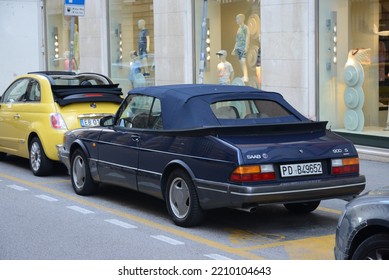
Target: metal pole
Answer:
[[203, 39], [71, 44]]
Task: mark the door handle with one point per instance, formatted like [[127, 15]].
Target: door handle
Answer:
[[135, 138]]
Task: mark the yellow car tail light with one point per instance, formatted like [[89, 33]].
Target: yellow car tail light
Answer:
[[253, 173], [57, 122], [345, 166]]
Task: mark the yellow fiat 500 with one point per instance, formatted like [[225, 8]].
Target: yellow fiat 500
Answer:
[[39, 107]]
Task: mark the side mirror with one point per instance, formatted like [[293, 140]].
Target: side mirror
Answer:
[[107, 121]]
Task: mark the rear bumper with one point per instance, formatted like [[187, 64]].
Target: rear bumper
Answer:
[[236, 196]]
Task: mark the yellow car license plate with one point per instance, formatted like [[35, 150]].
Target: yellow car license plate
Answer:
[[90, 122]]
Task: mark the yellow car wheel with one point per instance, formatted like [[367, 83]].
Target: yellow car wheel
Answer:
[[40, 164]]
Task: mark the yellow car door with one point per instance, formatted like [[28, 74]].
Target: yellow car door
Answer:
[[10, 125]]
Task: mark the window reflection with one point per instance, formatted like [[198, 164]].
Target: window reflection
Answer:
[[143, 112], [131, 25], [233, 42], [58, 38], [354, 92]]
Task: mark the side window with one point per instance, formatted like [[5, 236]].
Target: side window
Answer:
[[33, 92], [16, 92], [156, 115], [142, 112]]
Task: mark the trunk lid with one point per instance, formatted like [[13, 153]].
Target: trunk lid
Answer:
[[84, 106], [86, 114], [294, 142]]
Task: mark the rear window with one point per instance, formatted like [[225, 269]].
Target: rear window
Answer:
[[249, 109], [79, 80], [65, 94]]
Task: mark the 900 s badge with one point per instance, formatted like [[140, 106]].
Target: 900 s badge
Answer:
[[340, 151]]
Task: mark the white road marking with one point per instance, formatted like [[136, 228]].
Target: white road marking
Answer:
[[80, 209], [120, 223], [217, 257], [167, 239], [46, 197], [18, 188]]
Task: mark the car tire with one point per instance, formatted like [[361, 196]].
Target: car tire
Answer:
[[376, 247], [302, 207], [81, 178], [182, 201], [40, 164]]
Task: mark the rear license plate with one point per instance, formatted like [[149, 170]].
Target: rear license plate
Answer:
[[90, 122], [301, 169]]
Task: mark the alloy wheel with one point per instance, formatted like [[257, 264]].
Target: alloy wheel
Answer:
[[78, 172], [179, 198], [35, 156]]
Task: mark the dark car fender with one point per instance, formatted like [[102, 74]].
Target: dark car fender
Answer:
[[362, 218], [364, 230], [169, 168], [79, 144]]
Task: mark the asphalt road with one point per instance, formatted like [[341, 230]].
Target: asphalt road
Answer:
[[41, 218]]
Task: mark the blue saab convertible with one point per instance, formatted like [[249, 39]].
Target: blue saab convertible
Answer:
[[202, 147]]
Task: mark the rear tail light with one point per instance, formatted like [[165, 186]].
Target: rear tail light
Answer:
[[57, 121], [345, 166], [253, 173]]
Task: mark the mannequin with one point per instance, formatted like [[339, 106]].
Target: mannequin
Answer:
[[354, 96], [143, 45], [242, 44], [225, 72]]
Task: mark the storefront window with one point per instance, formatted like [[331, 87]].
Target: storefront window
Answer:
[[232, 48], [58, 38], [354, 68], [131, 41]]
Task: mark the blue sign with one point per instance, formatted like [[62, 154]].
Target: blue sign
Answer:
[[74, 2], [74, 8]]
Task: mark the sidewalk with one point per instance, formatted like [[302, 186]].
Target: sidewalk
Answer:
[[372, 153], [375, 166]]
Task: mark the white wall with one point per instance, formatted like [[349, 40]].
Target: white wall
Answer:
[[173, 41], [21, 45], [288, 51], [93, 37], [331, 84]]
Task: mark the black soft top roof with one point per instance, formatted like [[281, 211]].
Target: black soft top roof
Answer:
[[188, 106], [70, 87], [65, 95]]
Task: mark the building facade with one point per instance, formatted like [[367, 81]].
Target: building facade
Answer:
[[327, 58]]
